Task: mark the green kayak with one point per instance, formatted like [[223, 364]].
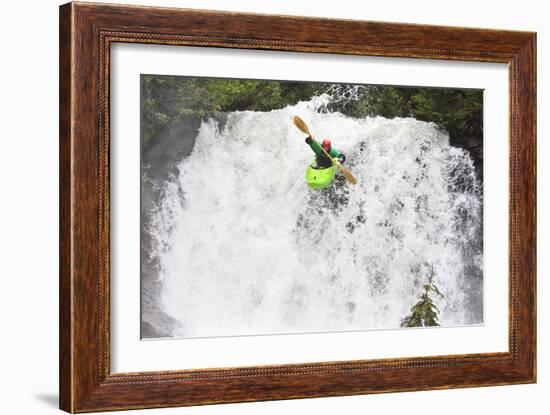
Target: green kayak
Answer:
[[320, 178]]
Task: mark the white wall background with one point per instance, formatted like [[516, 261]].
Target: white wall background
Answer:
[[29, 207]]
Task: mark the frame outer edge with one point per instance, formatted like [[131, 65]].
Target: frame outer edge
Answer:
[[528, 217], [523, 115], [82, 387], [66, 135], [534, 167]]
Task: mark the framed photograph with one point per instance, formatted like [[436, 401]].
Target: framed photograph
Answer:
[[258, 207]]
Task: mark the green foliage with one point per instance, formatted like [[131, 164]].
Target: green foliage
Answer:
[[165, 99], [424, 313], [390, 102], [458, 111]]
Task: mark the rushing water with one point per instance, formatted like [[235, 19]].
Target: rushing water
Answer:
[[244, 247]]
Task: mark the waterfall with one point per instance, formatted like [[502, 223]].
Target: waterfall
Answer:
[[244, 247]]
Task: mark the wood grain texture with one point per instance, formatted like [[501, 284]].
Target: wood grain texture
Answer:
[[86, 34], [65, 248]]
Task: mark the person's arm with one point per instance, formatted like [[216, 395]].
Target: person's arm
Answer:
[[315, 146], [337, 155]]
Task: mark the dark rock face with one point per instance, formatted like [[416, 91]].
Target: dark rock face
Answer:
[[472, 141], [175, 143], [158, 163], [474, 145]]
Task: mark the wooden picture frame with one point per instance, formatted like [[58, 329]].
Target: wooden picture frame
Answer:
[[87, 32]]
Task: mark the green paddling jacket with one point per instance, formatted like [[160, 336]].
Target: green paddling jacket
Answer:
[[321, 159]]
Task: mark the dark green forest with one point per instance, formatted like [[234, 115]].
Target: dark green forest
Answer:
[[166, 99]]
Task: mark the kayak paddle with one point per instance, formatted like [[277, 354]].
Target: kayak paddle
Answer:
[[302, 126]]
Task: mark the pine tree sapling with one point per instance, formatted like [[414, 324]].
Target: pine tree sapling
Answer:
[[424, 313]]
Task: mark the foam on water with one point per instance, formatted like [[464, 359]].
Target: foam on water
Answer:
[[244, 247]]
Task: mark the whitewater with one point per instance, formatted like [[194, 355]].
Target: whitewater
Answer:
[[243, 247]]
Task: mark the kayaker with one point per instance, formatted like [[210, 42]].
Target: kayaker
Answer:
[[321, 160]]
